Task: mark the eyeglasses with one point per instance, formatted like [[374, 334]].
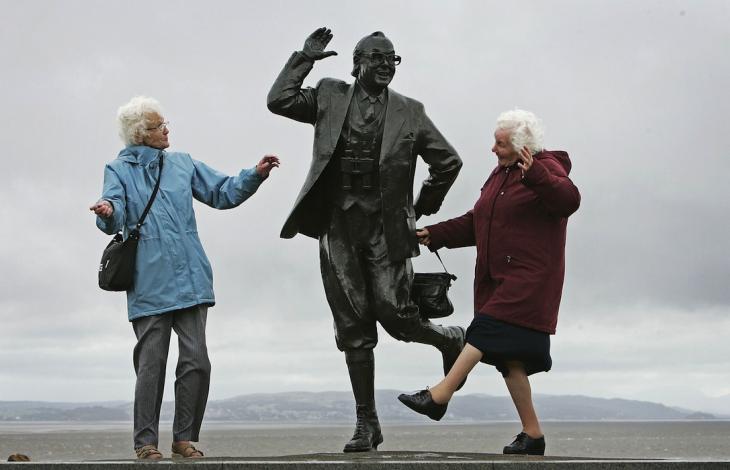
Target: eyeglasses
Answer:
[[378, 58], [160, 127]]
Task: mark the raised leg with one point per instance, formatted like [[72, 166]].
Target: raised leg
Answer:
[[434, 402], [443, 391]]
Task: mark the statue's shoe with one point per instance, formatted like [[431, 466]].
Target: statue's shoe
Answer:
[[367, 435]]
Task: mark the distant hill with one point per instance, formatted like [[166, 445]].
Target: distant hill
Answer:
[[338, 407]]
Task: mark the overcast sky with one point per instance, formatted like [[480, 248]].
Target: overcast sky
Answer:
[[636, 91]]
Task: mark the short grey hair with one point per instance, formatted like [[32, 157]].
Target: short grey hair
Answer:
[[526, 129], [132, 119]]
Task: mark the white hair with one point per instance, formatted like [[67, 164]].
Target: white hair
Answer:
[[526, 129], [132, 118]]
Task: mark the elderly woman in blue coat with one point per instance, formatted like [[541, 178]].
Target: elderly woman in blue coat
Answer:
[[173, 283]]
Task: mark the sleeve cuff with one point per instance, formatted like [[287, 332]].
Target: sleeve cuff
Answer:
[[304, 56], [256, 175], [435, 234]]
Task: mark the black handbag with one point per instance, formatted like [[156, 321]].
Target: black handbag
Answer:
[[116, 270], [430, 292]]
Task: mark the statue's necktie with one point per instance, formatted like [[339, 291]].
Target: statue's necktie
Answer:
[[369, 113]]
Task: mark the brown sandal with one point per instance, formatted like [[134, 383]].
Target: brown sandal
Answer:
[[148, 452], [186, 451]]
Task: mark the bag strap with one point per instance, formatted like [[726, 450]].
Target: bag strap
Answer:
[[135, 232], [443, 265]]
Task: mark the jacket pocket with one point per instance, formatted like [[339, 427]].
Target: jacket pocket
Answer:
[[523, 263], [411, 220]]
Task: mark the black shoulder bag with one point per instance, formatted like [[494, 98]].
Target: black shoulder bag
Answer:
[[430, 292], [116, 270]]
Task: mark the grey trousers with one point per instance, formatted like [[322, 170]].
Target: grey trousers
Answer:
[[192, 376]]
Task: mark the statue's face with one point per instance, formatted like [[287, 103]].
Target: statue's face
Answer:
[[377, 67]]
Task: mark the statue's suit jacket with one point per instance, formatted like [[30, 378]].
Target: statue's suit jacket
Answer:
[[407, 133]]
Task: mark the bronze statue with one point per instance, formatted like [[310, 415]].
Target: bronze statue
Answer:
[[358, 201]]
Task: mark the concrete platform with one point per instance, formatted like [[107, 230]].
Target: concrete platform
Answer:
[[387, 460]]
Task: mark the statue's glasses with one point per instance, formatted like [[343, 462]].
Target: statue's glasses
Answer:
[[161, 127], [378, 58]]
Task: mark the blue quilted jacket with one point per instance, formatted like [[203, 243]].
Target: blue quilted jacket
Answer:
[[172, 270]]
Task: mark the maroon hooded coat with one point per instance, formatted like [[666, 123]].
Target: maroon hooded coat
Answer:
[[518, 226]]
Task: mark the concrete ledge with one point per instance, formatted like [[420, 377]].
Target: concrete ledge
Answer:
[[389, 460]]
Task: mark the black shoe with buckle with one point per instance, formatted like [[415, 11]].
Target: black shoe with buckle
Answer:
[[422, 402], [367, 435], [525, 445]]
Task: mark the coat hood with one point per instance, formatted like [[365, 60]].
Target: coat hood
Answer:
[[557, 155], [139, 154]]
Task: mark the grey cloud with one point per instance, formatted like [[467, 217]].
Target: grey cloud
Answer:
[[633, 90]]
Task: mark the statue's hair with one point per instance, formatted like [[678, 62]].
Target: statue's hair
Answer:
[[526, 129], [358, 51], [132, 118]]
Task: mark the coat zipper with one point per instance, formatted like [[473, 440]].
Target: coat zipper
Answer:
[[491, 218]]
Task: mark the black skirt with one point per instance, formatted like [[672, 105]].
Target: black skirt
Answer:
[[502, 342]]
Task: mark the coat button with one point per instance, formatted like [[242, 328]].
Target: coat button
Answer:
[[509, 259], [501, 193]]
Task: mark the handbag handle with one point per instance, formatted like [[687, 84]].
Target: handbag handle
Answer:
[[444, 266], [135, 233]]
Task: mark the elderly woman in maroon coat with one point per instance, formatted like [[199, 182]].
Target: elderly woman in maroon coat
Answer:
[[518, 226]]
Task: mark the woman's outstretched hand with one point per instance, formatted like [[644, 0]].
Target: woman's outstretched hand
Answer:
[[268, 163], [102, 208]]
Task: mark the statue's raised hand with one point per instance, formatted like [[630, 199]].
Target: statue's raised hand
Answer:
[[315, 44]]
